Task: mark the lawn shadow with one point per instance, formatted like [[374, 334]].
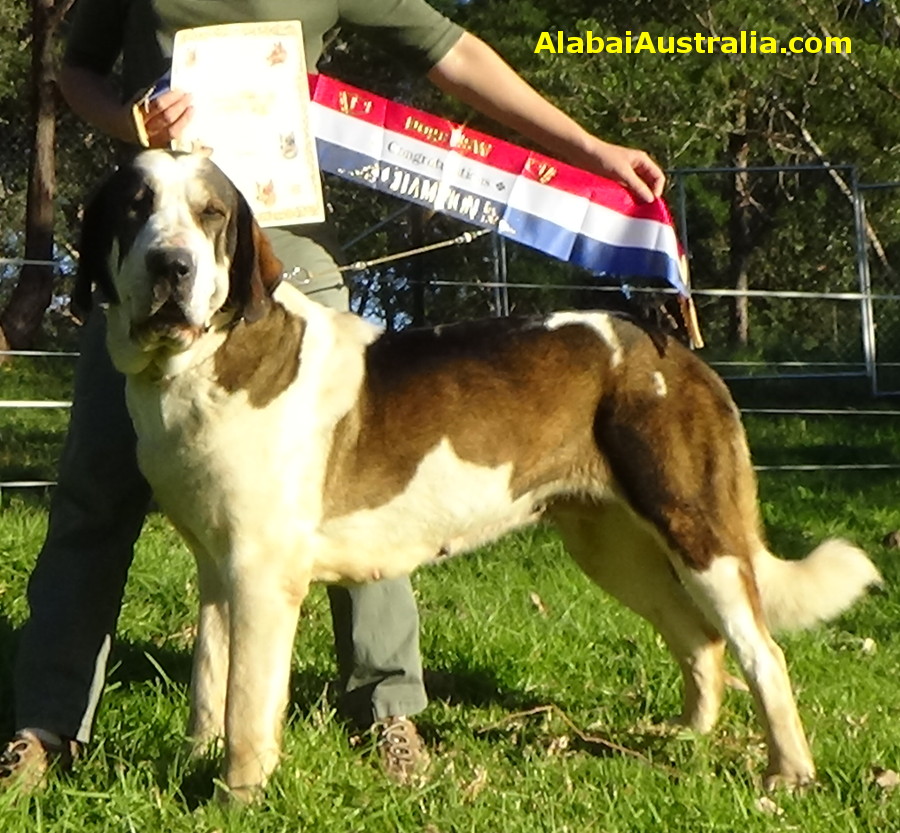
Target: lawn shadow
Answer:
[[142, 661], [822, 454], [198, 787], [474, 685], [134, 663]]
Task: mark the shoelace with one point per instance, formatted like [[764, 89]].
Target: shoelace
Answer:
[[11, 756], [399, 740]]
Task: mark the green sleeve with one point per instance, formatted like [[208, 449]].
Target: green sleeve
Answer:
[[96, 34], [416, 31]]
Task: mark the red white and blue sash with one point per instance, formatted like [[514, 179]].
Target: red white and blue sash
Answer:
[[533, 199]]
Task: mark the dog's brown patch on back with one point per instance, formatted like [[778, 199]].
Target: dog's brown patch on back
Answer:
[[261, 357], [499, 392]]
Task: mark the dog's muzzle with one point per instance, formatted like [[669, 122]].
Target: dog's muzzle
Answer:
[[170, 272]]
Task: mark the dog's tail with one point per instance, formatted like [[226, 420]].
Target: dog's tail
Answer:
[[800, 594]]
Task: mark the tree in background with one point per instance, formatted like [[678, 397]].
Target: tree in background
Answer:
[[48, 160], [21, 318]]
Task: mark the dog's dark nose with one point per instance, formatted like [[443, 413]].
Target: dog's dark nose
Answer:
[[172, 264]]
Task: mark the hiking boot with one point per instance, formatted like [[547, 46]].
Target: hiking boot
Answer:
[[27, 759], [403, 755]]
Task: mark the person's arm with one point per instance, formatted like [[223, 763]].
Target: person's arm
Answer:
[[93, 99], [472, 72]]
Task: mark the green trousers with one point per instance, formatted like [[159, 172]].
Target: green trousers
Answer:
[[96, 514]]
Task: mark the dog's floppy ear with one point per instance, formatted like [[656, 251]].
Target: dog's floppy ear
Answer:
[[255, 270], [94, 248]]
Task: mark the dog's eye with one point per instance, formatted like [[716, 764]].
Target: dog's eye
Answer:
[[140, 204], [212, 212]]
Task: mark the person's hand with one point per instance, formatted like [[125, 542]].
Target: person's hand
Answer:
[[631, 167], [164, 118]]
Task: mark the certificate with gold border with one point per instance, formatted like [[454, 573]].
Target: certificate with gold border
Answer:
[[251, 114]]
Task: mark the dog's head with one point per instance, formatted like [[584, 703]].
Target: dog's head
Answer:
[[172, 248]]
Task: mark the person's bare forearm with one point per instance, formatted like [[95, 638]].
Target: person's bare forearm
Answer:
[[472, 72], [478, 76], [93, 99]]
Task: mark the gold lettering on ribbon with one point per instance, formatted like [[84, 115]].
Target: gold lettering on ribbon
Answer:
[[542, 171], [478, 147], [432, 134], [353, 103]]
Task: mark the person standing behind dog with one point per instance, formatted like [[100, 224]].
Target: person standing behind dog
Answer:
[[99, 504]]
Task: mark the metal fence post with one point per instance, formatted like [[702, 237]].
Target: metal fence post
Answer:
[[867, 312], [501, 290]]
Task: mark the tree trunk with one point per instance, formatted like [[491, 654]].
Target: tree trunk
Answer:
[[739, 231], [21, 320]]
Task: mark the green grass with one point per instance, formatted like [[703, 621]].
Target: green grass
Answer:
[[30, 439], [543, 717]]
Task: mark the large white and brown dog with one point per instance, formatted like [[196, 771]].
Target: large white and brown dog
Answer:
[[290, 443]]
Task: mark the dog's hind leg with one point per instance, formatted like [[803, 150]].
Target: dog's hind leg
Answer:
[[265, 599], [683, 465], [623, 556], [727, 591], [722, 591], [206, 725]]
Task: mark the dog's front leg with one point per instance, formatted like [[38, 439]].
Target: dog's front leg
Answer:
[[210, 672], [265, 603]]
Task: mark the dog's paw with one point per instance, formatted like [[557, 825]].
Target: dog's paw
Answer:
[[792, 781], [238, 795], [204, 747]]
